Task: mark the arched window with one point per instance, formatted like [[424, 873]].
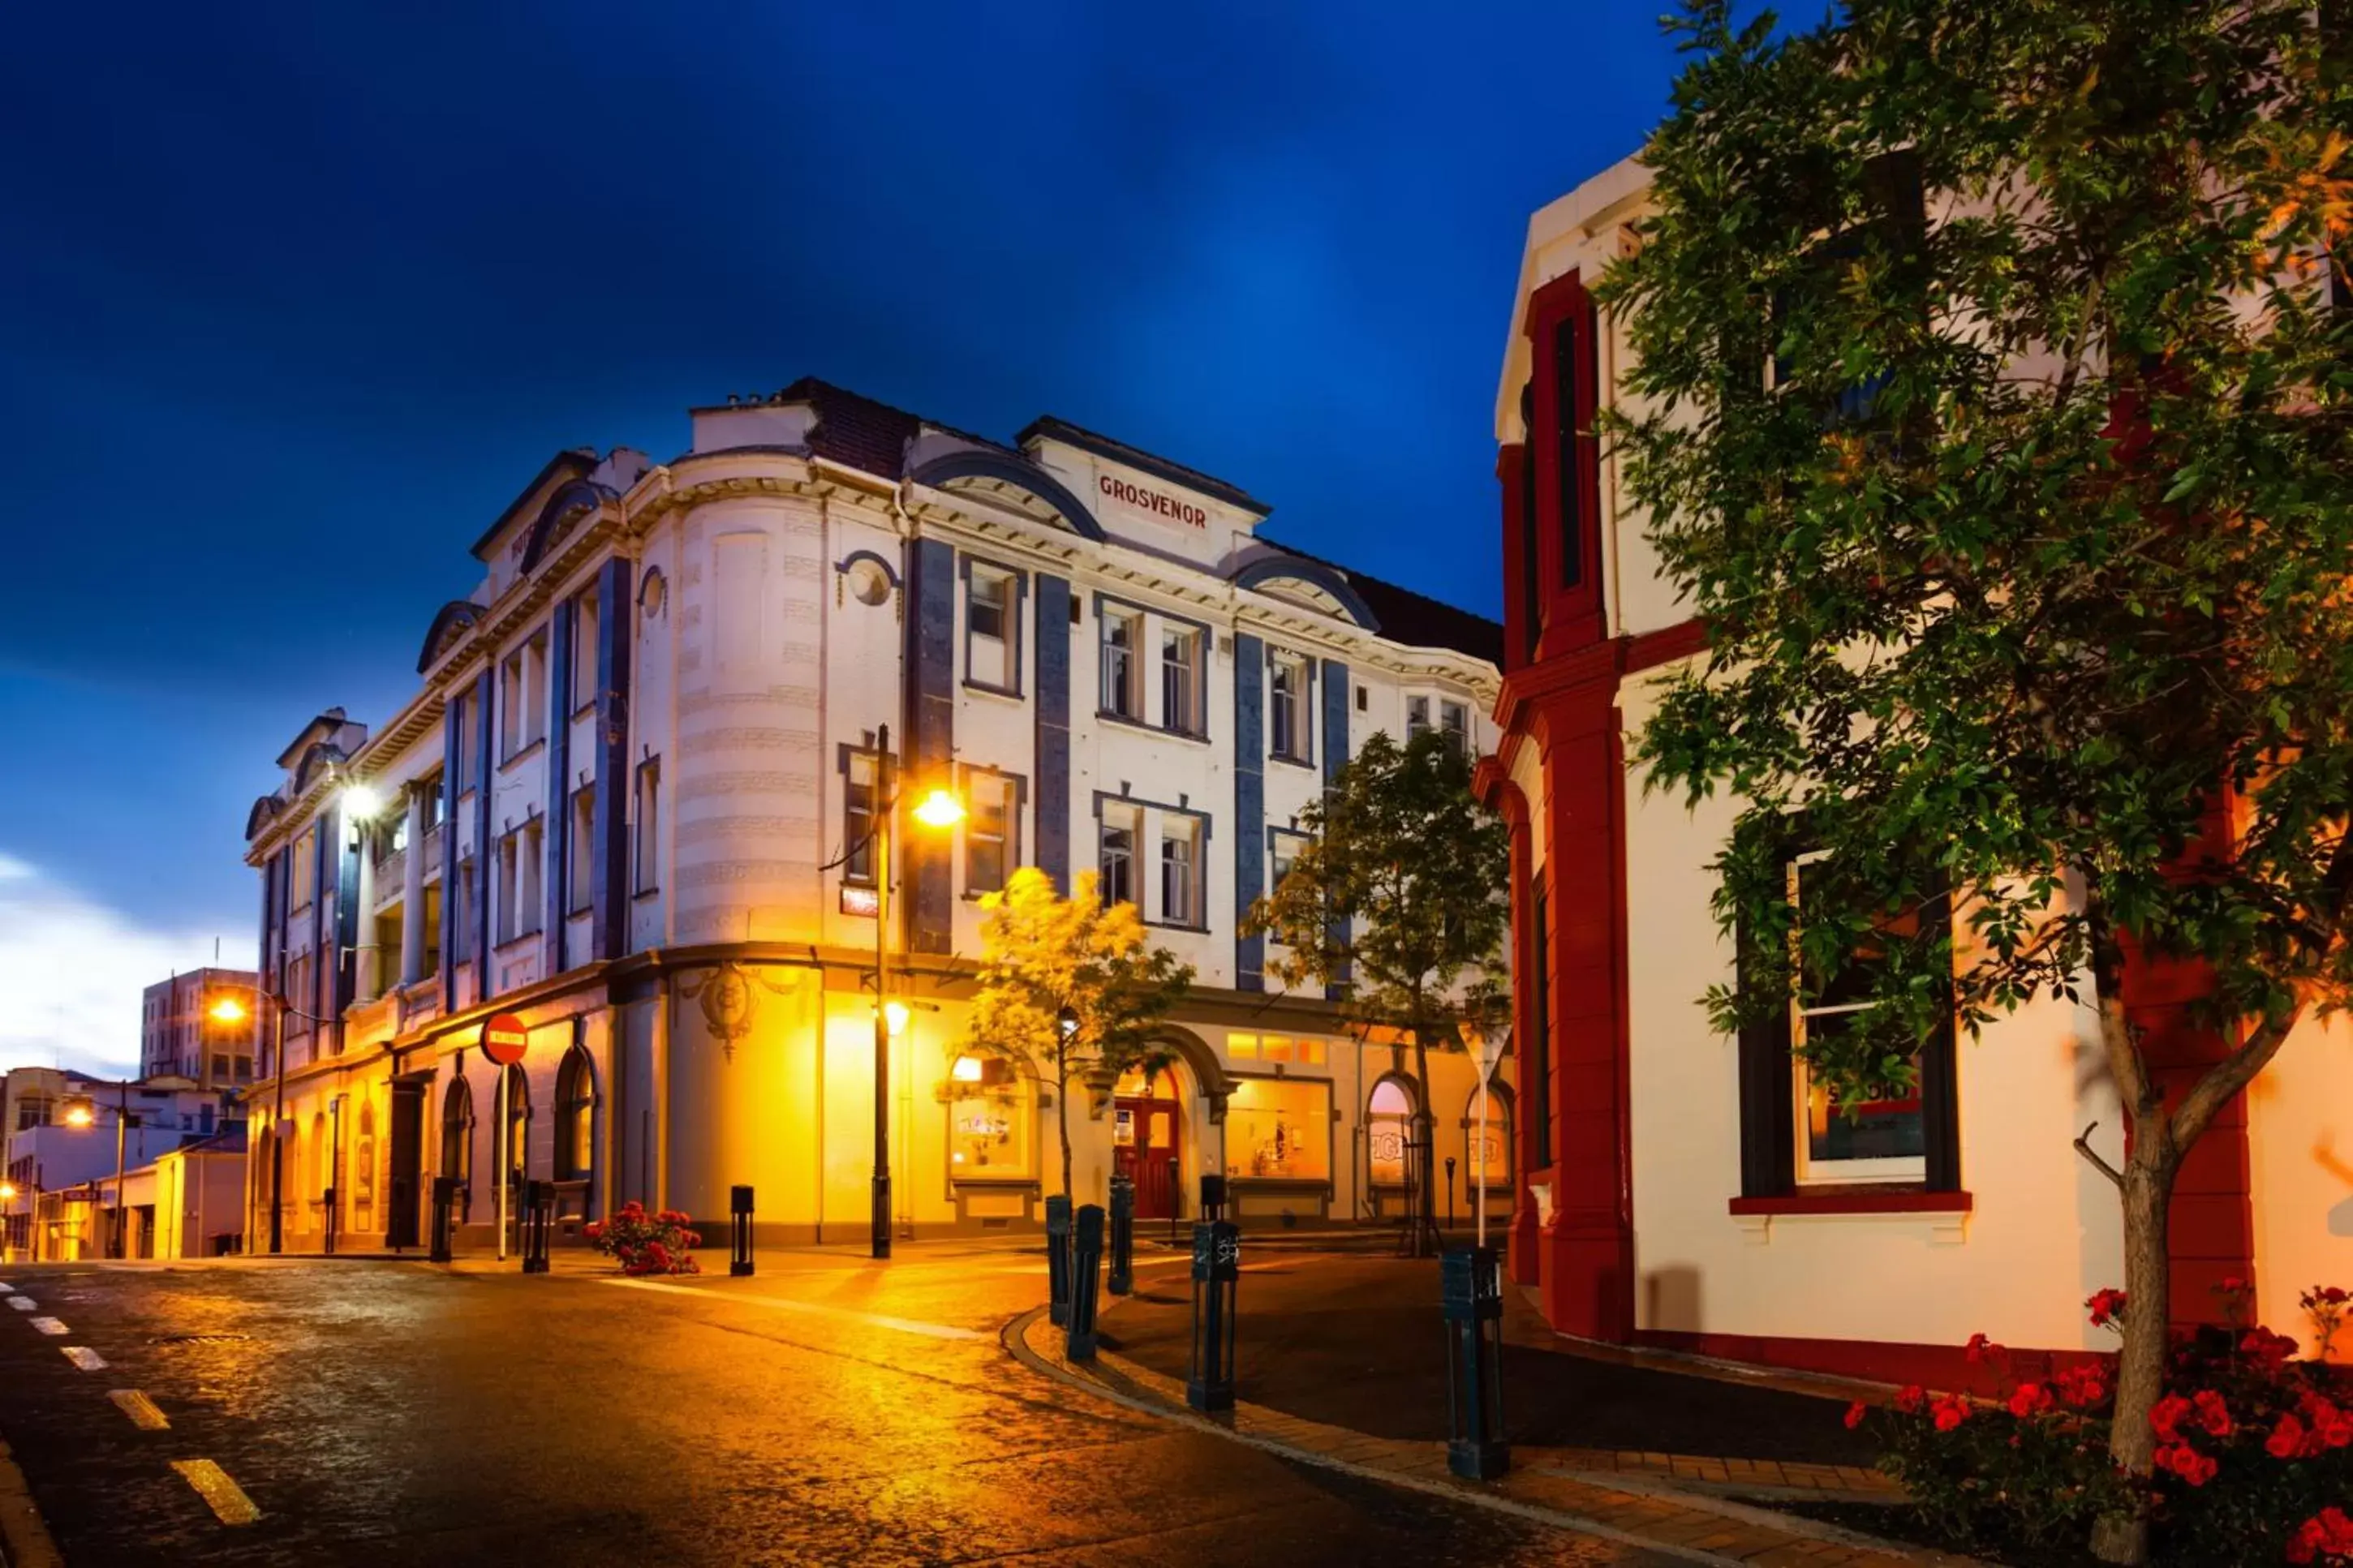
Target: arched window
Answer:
[[575, 1117], [1491, 1161], [457, 1133], [1388, 1122], [518, 1127]]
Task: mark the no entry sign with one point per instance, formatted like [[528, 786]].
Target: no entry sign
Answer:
[[504, 1037]]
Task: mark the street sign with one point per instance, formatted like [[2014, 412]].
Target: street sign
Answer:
[[1488, 1046], [504, 1037]]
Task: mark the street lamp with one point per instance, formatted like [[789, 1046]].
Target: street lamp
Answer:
[[228, 1009]]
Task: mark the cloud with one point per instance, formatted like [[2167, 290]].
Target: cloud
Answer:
[[71, 971]]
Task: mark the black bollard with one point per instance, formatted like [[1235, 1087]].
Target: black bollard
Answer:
[[1213, 1197], [1217, 1265], [538, 1219], [739, 1209], [1086, 1261], [328, 1240], [1450, 1192], [1123, 1237], [445, 1201], [1471, 1287], [1176, 1195], [1058, 1260]]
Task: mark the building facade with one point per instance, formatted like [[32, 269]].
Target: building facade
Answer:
[[633, 808], [178, 1035], [1685, 1189], [60, 1175]]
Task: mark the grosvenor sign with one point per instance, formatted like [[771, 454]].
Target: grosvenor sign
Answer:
[[1143, 498]]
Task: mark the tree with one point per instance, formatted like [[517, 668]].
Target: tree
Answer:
[[2022, 536], [1401, 891], [1070, 988]]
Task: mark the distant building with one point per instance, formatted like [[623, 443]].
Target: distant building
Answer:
[[62, 1177], [178, 1035], [630, 806]]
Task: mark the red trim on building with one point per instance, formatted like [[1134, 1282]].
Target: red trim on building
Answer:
[[1943, 1367], [1849, 1200], [1647, 650], [1572, 611]]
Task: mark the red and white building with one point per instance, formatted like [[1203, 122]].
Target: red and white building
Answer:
[[1681, 1188]]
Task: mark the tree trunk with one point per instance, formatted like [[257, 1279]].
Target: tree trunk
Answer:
[[1425, 1220], [1062, 1125], [2150, 1169]]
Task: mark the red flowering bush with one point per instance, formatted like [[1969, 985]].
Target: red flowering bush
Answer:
[[647, 1244], [2254, 1456]]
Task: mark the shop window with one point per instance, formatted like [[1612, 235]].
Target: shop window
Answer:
[[1389, 1124], [988, 1120], [1279, 1128], [1298, 1052]]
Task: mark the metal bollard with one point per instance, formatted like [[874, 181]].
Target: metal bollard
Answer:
[[1123, 1237], [1450, 1192], [1176, 1195], [1217, 1264], [327, 1241], [1213, 1197], [538, 1219], [445, 1200], [1470, 1288], [1058, 1260], [1086, 1261], [739, 1209]]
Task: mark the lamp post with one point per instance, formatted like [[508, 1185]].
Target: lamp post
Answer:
[[939, 809]]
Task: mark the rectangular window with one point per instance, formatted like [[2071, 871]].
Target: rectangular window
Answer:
[[1565, 351], [647, 850], [992, 830], [1417, 717], [1878, 1139], [1122, 666], [1454, 723], [1275, 1048], [857, 829], [1283, 847], [992, 637], [586, 625], [468, 760], [1279, 1128], [509, 887], [580, 872], [305, 868], [1181, 683], [1535, 1055], [1180, 878], [461, 939], [988, 1121], [1115, 857], [437, 804], [1289, 730], [534, 874], [523, 696]]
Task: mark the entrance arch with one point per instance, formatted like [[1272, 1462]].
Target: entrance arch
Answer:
[[1148, 1138]]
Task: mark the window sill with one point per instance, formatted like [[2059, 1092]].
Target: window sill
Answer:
[[585, 711], [1287, 760], [1104, 715], [1178, 925], [983, 688], [1855, 1201], [642, 894], [524, 755]]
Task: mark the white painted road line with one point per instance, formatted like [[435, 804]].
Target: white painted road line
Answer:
[[777, 1304], [6, 1287], [87, 1359], [229, 1504], [140, 1408], [49, 1326], [22, 1303]]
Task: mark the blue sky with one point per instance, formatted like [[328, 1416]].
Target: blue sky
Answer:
[[293, 298]]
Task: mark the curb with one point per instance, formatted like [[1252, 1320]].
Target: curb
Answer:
[[25, 1540], [1119, 1382]]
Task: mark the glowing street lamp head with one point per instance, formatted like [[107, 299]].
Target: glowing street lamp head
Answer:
[[227, 1010], [894, 1017], [939, 809], [7, 1191], [80, 1110], [361, 801]]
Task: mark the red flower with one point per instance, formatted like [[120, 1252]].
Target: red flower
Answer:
[[1855, 1413], [2081, 1386], [2166, 1416], [1950, 1412], [2272, 1350], [1980, 1348], [1909, 1397], [2287, 1439], [2029, 1399], [2329, 1532], [2107, 1306], [2212, 1414]]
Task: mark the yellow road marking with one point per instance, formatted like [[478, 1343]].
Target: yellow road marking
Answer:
[[229, 1504], [140, 1408], [87, 1359], [50, 1325]]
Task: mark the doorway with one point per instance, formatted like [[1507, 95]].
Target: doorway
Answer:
[[401, 1228], [1145, 1130]]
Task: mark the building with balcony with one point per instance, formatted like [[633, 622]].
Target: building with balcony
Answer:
[[1683, 1189], [632, 805]]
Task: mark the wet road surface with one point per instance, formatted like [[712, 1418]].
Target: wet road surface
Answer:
[[828, 1411]]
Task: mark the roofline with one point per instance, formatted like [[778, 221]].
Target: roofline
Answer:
[[1574, 212], [584, 458], [1118, 451]]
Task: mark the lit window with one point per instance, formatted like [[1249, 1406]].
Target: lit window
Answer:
[[990, 830], [1283, 847], [1389, 1124], [1279, 1128], [1878, 1140], [575, 1117], [988, 1121]]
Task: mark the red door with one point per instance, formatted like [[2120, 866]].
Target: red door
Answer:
[[1143, 1150]]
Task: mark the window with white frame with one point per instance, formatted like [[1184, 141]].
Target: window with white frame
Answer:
[[992, 640], [1416, 716], [1121, 633], [520, 881], [1283, 847], [522, 695], [860, 770], [303, 869], [1115, 854], [647, 850], [1182, 685], [585, 627], [1290, 730], [580, 870], [992, 829], [1880, 1139], [1180, 869], [1454, 723]]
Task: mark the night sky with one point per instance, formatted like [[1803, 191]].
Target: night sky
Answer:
[[293, 299]]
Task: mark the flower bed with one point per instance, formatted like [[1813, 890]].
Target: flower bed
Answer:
[[2255, 1457], [647, 1244]]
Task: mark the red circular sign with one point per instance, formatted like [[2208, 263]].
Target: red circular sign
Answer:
[[504, 1037]]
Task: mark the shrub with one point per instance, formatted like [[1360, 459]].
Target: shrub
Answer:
[[647, 1244], [2254, 1456]]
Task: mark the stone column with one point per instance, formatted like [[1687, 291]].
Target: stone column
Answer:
[[370, 964], [412, 893]]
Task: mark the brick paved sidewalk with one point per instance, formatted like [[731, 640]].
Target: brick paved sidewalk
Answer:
[[1639, 1500]]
